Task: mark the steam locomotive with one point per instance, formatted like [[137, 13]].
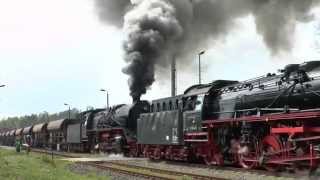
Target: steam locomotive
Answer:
[[272, 121], [112, 130]]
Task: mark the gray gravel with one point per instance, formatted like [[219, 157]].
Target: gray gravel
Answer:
[[84, 169], [181, 167], [204, 170]]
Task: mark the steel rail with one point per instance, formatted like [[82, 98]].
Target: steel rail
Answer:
[[148, 171], [154, 172], [134, 170]]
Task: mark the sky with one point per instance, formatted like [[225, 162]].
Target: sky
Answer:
[[56, 52]]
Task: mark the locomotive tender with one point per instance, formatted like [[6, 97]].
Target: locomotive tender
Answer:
[[272, 121]]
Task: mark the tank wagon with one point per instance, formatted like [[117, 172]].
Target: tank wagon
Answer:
[[271, 121]]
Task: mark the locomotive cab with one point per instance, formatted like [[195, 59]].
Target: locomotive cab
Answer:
[[192, 112], [200, 103]]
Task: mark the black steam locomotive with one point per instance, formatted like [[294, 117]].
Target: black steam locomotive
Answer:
[[113, 129], [270, 121]]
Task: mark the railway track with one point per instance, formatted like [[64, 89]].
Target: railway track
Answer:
[[147, 172], [134, 170], [157, 173], [236, 169]]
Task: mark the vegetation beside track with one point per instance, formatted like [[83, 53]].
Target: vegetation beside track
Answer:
[[32, 166]]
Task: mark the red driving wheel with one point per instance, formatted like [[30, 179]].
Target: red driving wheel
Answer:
[[213, 157], [272, 150]]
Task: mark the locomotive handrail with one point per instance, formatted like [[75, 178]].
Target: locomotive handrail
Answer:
[[259, 110], [263, 78], [310, 110]]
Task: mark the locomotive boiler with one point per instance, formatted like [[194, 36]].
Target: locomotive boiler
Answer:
[[271, 121]]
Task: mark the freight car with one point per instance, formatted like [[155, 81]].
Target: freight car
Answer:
[[27, 135], [270, 121], [62, 136], [39, 135], [2, 137], [10, 138]]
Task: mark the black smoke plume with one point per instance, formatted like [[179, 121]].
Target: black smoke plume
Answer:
[[158, 29]]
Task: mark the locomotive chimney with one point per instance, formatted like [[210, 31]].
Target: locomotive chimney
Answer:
[[135, 99], [173, 76]]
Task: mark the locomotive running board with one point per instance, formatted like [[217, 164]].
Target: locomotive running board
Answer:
[[304, 115], [196, 140]]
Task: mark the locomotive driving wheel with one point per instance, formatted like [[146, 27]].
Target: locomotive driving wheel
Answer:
[[213, 157], [157, 153], [168, 153], [271, 148], [248, 155], [133, 151]]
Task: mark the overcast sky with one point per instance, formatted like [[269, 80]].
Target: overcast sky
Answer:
[[56, 52]]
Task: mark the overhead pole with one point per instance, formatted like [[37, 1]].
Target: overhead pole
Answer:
[[173, 76], [199, 55], [69, 112], [107, 92]]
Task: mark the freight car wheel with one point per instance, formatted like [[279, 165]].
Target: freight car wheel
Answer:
[[271, 148]]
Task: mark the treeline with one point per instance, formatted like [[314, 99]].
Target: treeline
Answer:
[[28, 120]]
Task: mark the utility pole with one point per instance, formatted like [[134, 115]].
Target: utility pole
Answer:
[[173, 77], [69, 109], [199, 54], [104, 90]]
